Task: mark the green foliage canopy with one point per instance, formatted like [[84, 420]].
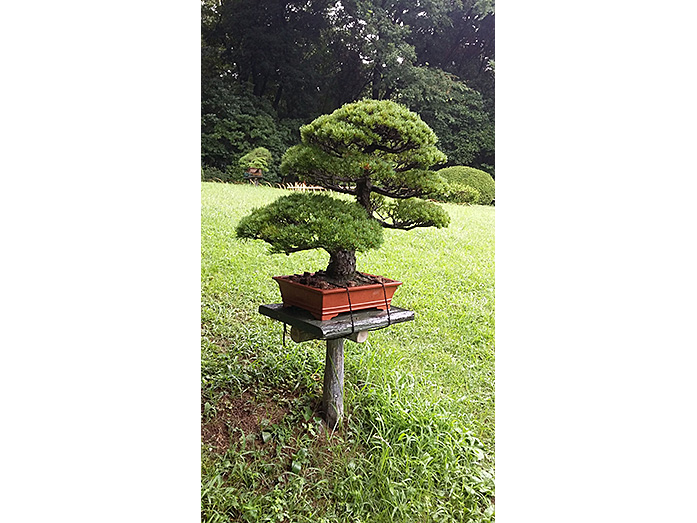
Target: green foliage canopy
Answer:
[[411, 213], [372, 146], [234, 122], [304, 221], [456, 113], [301, 59]]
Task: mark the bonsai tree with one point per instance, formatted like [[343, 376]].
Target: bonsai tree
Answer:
[[257, 159], [377, 151]]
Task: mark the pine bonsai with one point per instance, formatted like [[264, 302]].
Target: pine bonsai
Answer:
[[255, 163], [377, 151], [259, 158]]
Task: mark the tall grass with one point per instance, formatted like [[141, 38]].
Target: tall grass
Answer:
[[418, 439]]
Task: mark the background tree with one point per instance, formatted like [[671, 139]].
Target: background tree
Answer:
[[300, 59], [233, 122], [456, 113]]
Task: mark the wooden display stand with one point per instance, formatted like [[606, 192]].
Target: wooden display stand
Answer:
[[354, 326], [254, 175]]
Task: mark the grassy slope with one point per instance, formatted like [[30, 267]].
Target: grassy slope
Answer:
[[419, 439]]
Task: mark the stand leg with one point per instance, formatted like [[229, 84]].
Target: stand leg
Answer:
[[333, 392]]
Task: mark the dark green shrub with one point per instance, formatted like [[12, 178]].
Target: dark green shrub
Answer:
[[234, 122], [456, 113], [465, 194], [213, 174], [455, 193], [481, 181]]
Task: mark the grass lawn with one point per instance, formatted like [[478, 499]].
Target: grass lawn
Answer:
[[418, 439]]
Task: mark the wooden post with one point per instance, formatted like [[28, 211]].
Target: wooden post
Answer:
[[353, 326], [333, 390]]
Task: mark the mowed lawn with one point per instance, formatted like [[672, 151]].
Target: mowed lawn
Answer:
[[418, 439]]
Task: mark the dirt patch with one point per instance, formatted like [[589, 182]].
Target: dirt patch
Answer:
[[215, 436], [320, 280], [245, 412]]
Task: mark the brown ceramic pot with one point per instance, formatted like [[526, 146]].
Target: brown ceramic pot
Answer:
[[325, 304]]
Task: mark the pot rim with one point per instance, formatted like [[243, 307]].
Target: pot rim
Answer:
[[390, 283]]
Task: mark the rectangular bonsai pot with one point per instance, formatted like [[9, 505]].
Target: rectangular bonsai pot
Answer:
[[325, 304]]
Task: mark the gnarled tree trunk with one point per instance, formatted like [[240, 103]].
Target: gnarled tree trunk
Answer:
[[342, 265], [363, 188]]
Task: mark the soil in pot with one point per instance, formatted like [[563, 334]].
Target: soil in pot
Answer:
[[320, 280]]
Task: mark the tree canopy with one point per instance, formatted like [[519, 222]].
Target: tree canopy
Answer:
[[304, 221], [268, 67], [372, 147]]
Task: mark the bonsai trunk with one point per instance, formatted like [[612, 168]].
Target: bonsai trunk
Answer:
[[342, 265], [363, 188]]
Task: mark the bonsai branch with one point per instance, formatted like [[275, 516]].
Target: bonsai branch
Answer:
[[396, 192], [395, 224]]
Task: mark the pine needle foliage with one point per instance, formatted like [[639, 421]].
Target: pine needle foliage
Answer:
[[371, 147], [305, 221]]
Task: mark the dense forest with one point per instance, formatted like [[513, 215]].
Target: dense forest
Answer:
[[268, 67]]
